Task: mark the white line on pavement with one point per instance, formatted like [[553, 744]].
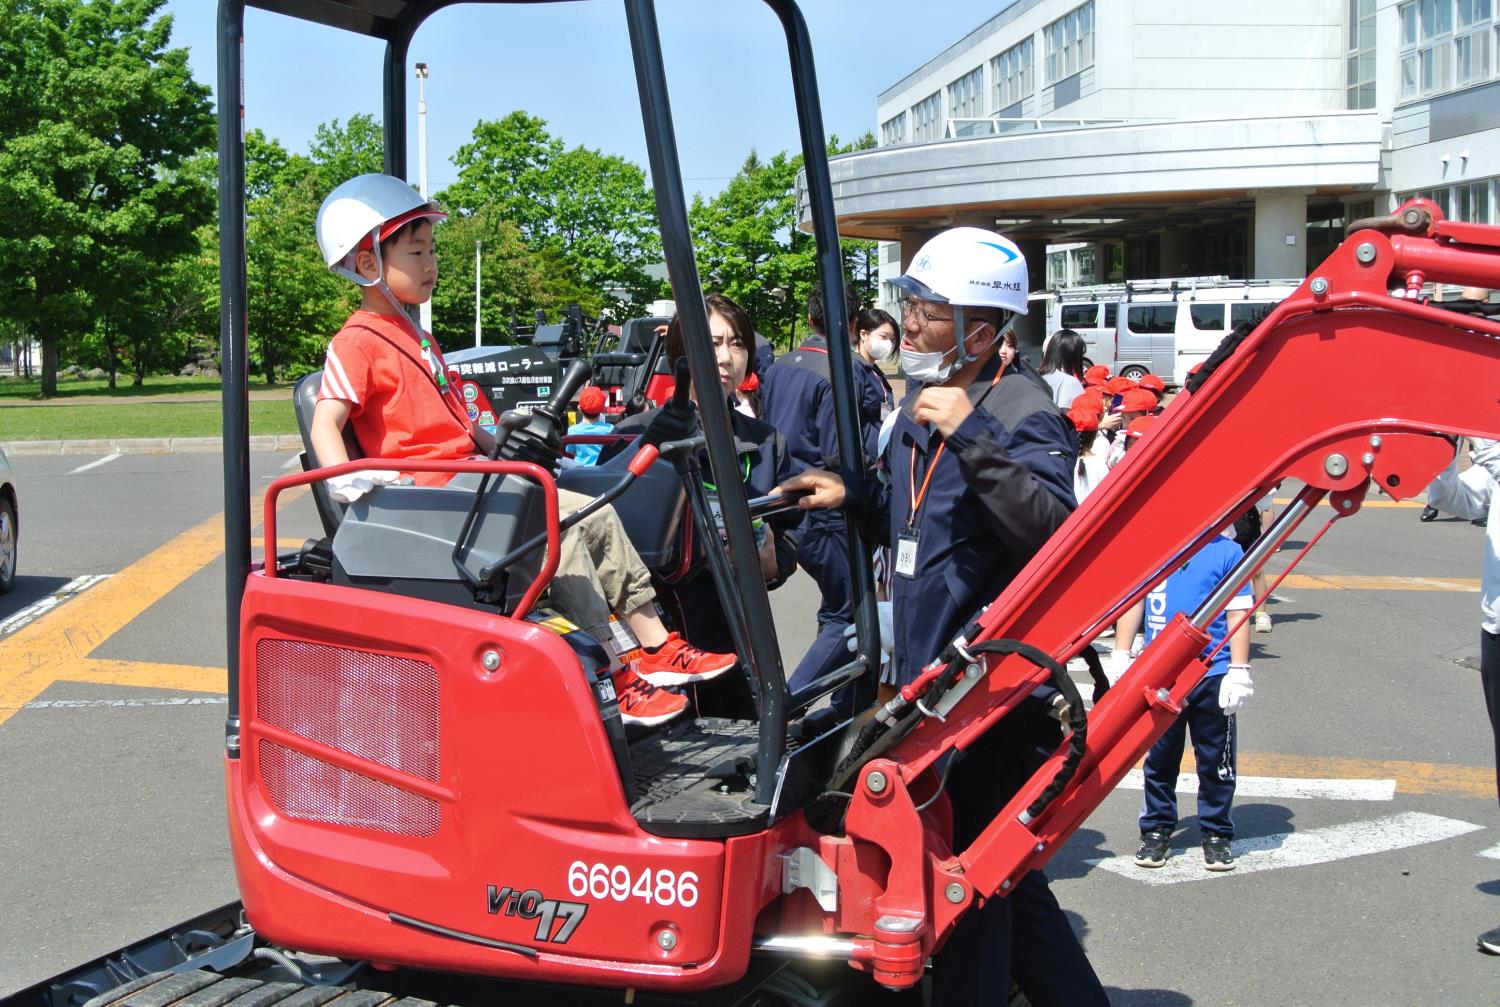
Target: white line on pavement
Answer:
[[82, 704], [1493, 853], [1281, 786], [95, 463], [39, 608], [1301, 849]]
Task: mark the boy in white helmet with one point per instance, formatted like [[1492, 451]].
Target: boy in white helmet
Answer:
[[386, 376], [980, 464]]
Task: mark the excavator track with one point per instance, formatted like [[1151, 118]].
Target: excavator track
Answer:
[[199, 988]]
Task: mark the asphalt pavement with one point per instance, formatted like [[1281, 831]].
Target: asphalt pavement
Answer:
[[1367, 816]]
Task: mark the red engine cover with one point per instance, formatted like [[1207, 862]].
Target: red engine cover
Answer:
[[398, 801]]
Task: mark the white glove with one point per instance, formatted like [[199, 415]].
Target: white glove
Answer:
[[1235, 689], [1117, 665], [887, 633], [350, 486]]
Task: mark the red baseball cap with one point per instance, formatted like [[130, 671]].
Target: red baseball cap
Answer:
[[1137, 400], [1084, 419], [1139, 426], [1153, 384], [591, 400], [1119, 385], [1090, 398], [1096, 375]]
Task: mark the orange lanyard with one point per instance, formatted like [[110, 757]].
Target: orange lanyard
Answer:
[[918, 496]]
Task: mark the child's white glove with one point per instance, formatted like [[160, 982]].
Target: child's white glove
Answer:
[[1117, 665], [350, 486], [1235, 689], [887, 633]]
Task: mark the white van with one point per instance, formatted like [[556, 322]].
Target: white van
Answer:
[[1169, 331]]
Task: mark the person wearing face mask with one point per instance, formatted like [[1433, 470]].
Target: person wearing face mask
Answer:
[[873, 337], [980, 468]]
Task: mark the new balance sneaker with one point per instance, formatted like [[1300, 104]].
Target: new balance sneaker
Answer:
[[1217, 855], [1263, 621], [1154, 846], [678, 662], [642, 703], [1489, 941]]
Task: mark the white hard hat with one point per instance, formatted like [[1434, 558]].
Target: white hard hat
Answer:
[[352, 214], [968, 266]]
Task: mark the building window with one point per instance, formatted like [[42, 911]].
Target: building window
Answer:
[[1426, 48], [1360, 76], [893, 130], [1471, 202], [1471, 46], [1438, 196], [927, 118], [1069, 44], [1011, 73], [966, 100]]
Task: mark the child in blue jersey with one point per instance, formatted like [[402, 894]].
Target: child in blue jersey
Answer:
[[591, 408], [1208, 714]]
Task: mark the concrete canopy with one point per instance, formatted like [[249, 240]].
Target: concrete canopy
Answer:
[[1089, 183]]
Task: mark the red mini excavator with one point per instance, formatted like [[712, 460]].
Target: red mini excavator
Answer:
[[427, 774]]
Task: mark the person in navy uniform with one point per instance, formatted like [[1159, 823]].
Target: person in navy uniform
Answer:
[[797, 399], [980, 468]]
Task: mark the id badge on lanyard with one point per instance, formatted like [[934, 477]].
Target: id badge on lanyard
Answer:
[[906, 552], [906, 542]]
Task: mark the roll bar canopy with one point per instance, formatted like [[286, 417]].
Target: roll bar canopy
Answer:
[[396, 21]]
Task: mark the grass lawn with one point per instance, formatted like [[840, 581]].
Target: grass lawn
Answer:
[[12, 389], [99, 420]]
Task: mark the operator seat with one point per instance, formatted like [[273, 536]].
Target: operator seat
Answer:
[[304, 398]]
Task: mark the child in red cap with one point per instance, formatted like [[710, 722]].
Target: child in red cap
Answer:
[[590, 406]]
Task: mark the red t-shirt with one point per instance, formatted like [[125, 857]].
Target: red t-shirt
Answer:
[[377, 366]]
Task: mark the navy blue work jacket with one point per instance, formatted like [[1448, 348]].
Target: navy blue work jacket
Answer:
[[1000, 488]]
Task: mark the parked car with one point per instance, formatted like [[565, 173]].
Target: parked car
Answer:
[[9, 529], [1167, 332]]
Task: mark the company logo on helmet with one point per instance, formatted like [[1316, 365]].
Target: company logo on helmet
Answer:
[[1010, 255], [923, 262]]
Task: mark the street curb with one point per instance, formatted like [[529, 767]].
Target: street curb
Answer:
[[146, 445]]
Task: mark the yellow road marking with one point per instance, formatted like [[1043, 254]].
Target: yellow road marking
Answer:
[[1441, 778], [57, 646], [1310, 582]]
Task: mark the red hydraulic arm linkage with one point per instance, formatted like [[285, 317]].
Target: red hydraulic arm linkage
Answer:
[[1406, 372]]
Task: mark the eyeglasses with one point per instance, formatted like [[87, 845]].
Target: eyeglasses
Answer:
[[910, 305]]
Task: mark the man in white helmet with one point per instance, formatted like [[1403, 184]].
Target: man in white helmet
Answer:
[[385, 376], [980, 468]]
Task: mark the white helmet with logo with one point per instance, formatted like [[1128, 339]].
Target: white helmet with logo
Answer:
[[353, 213], [968, 266]]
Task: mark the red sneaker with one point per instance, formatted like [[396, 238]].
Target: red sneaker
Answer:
[[643, 703], [678, 662]]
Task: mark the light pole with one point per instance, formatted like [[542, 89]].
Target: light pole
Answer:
[[426, 309]]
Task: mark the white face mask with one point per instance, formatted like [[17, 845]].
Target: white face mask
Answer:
[[930, 369], [880, 347]]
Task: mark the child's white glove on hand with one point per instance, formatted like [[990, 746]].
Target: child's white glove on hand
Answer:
[[350, 486], [887, 633], [1235, 690], [1117, 665]]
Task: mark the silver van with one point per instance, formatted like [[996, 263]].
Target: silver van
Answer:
[[1168, 332]]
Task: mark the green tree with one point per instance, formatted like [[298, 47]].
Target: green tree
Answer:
[[588, 216], [97, 115], [749, 247]]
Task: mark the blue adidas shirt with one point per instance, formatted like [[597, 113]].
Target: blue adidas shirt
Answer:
[[1187, 588], [588, 454]]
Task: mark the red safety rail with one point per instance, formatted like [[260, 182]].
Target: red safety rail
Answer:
[[1343, 384], [452, 466]]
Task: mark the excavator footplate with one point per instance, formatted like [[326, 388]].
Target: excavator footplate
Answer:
[[694, 780]]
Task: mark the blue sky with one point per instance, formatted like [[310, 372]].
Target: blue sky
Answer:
[[570, 64]]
